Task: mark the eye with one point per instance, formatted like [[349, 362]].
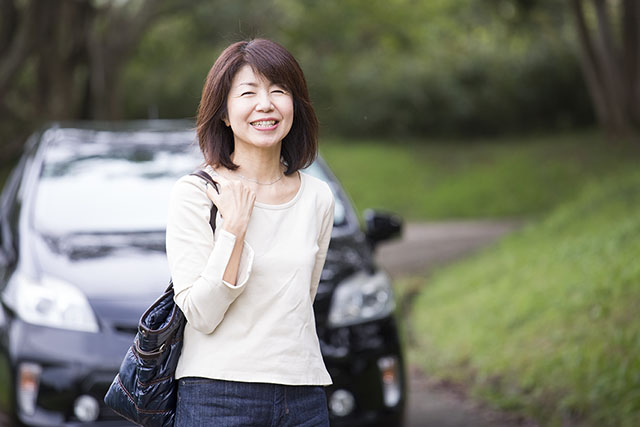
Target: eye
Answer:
[[278, 90], [246, 93]]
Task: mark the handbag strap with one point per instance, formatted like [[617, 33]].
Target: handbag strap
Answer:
[[214, 209]]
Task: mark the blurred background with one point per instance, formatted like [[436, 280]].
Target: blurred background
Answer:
[[445, 111]]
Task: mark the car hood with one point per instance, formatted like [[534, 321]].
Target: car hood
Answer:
[[121, 274]]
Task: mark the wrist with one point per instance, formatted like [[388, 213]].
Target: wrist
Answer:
[[237, 230]]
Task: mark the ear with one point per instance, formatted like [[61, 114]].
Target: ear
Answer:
[[226, 121]]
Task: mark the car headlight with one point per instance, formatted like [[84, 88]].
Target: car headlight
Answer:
[[51, 302], [360, 298]]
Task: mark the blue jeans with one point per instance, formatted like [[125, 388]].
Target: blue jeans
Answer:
[[207, 402]]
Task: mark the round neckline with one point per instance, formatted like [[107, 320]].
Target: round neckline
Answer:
[[284, 205]]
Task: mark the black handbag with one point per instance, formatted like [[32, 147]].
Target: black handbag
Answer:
[[145, 390]]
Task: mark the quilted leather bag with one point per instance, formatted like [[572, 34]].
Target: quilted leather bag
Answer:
[[145, 390]]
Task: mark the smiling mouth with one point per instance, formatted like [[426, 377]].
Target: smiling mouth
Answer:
[[264, 123]]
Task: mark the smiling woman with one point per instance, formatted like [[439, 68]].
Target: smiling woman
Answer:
[[269, 63], [247, 291]]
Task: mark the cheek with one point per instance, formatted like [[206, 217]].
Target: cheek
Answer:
[[287, 110], [290, 117], [235, 107]]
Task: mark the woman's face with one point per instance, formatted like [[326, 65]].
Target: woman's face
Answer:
[[259, 112]]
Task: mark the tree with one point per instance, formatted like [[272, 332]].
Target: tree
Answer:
[[610, 49], [62, 59]]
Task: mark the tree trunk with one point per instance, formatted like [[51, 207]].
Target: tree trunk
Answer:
[[19, 45], [72, 53], [631, 57], [110, 48], [8, 23], [75, 51], [590, 65], [611, 68], [611, 72]]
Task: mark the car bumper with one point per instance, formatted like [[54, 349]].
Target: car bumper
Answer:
[[64, 365], [366, 362], [73, 364]]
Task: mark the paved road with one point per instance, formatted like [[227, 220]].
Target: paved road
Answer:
[[423, 247], [426, 245]]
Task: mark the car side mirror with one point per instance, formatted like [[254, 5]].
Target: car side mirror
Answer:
[[381, 226]]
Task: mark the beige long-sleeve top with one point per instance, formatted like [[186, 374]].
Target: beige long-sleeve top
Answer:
[[263, 328]]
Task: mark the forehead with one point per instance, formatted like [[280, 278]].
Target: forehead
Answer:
[[247, 75]]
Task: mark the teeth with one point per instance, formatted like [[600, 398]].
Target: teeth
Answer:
[[264, 123]]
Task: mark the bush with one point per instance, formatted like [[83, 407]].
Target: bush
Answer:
[[384, 70]]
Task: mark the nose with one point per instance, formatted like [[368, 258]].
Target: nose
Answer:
[[264, 102]]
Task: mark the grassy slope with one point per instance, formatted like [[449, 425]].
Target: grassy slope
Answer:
[[546, 322], [470, 179]]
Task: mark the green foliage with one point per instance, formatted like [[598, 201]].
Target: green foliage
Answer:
[[545, 322], [434, 70], [500, 177], [165, 78], [390, 68]]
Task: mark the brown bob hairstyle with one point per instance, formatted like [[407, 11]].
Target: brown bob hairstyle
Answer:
[[276, 64]]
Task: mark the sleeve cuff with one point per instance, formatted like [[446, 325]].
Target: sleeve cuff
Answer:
[[219, 258]]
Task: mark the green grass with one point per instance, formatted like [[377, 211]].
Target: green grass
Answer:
[[502, 177], [546, 322]]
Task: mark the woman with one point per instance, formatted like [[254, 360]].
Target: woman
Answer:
[[251, 355]]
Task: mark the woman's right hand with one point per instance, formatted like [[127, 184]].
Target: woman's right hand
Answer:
[[235, 203]]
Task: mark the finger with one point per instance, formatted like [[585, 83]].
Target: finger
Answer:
[[249, 195]]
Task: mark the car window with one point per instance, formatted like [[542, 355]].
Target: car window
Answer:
[[109, 189], [123, 187]]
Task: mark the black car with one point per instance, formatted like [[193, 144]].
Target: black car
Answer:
[[82, 255]]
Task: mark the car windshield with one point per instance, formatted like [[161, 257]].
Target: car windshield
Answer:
[[106, 187]]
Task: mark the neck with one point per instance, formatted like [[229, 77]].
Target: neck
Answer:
[[258, 164]]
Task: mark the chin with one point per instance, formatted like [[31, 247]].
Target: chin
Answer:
[[266, 144]]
